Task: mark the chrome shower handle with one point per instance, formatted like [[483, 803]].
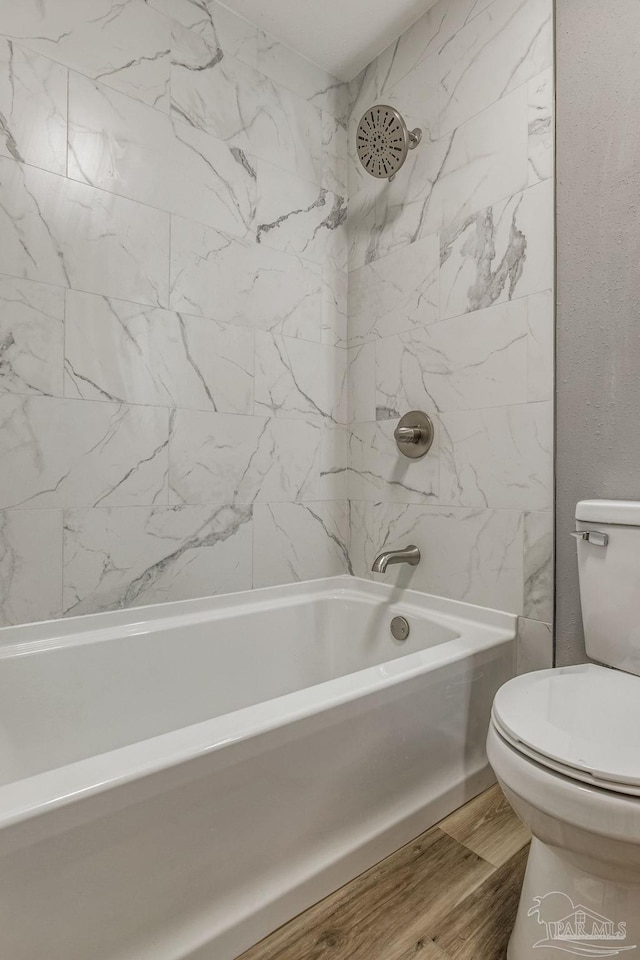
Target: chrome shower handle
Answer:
[[414, 434], [408, 434]]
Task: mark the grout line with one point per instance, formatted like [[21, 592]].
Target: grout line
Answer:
[[66, 144], [503, 199], [228, 324]]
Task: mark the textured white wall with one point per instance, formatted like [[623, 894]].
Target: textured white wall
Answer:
[[598, 401]]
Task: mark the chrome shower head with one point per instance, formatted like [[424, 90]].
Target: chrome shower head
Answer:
[[383, 141]]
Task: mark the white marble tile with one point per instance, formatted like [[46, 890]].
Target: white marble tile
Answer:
[[411, 206], [241, 103], [358, 180], [466, 363], [477, 6], [428, 36], [464, 351], [361, 225], [30, 565], [499, 50], [498, 254], [335, 307], [299, 541], [442, 180], [220, 458], [70, 453], [499, 458], [243, 283], [362, 530], [538, 566], [541, 348], [395, 294], [126, 558], [412, 88], [365, 88], [190, 50], [115, 350], [300, 379], [235, 103], [535, 646], [223, 30], [541, 157], [33, 108], [67, 233], [126, 147], [362, 383], [469, 555], [301, 76], [487, 159], [334, 459], [378, 472], [31, 337], [125, 45], [404, 75], [334, 155], [298, 217]]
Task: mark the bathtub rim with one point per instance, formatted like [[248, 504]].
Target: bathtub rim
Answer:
[[132, 621], [480, 630]]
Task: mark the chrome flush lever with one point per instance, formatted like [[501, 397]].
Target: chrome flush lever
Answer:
[[592, 536]]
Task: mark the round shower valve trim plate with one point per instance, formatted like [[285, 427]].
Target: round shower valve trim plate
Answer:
[[414, 434]]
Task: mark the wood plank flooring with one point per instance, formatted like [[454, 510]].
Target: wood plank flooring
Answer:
[[451, 894]]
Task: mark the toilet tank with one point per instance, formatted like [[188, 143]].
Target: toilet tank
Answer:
[[609, 572]]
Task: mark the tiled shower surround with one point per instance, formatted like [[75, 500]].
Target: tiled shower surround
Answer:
[[172, 334], [174, 339], [451, 312]]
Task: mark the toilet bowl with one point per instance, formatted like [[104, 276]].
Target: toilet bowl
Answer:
[[565, 747]]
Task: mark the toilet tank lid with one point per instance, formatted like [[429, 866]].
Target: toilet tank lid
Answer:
[[625, 512]]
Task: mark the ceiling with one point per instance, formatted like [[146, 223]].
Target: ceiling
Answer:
[[342, 36]]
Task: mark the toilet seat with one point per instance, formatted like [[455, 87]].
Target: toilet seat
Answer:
[[582, 722]]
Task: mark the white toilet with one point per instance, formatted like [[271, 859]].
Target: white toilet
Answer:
[[565, 746]]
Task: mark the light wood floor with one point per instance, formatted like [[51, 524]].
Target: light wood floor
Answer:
[[451, 894]]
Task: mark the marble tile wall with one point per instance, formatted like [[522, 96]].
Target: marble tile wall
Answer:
[[173, 307], [201, 360], [451, 311]]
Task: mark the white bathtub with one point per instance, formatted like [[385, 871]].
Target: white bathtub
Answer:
[[178, 780]]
